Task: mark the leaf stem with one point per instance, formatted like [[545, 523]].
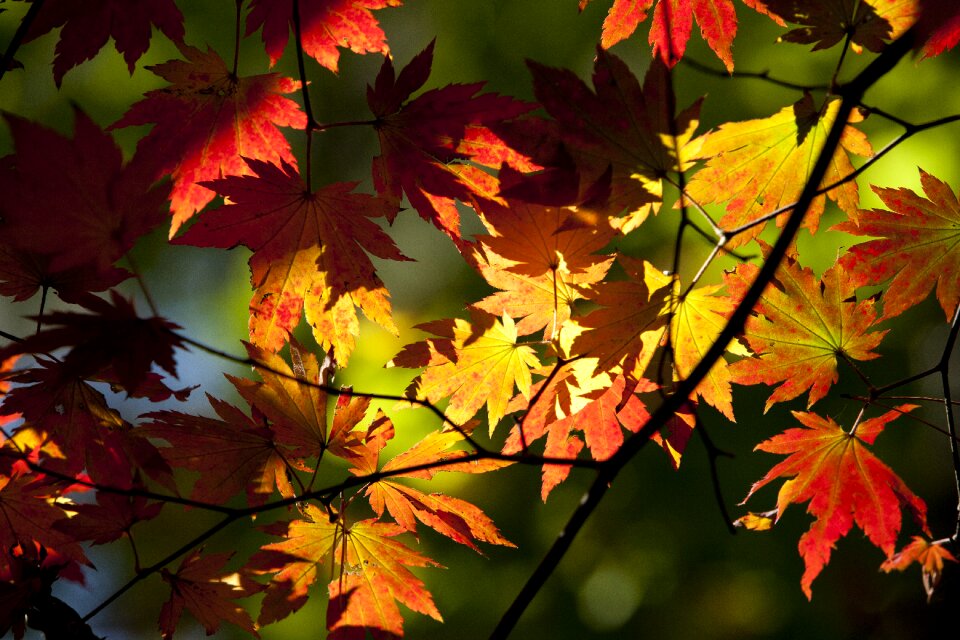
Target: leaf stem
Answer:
[[236, 40], [307, 108]]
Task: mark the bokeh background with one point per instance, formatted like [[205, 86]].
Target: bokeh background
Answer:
[[656, 559]]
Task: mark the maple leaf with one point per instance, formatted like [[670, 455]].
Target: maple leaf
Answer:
[[540, 257], [929, 555], [309, 254], [88, 25], [207, 121], [200, 586], [698, 319], [233, 452], [420, 140], [28, 512], [112, 339], [844, 483], [938, 26], [618, 125], [373, 574], [622, 336], [457, 519], [759, 166], [71, 427], [672, 22], [24, 272], [325, 25], [297, 408], [915, 245], [866, 23], [71, 207], [474, 363], [804, 325], [110, 518]]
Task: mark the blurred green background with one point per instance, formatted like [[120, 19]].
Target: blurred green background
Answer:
[[656, 559]]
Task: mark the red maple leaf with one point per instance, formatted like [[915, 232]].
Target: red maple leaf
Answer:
[[110, 518], [619, 132], [112, 340], [70, 206], [844, 483], [915, 246], [88, 25], [325, 25], [233, 453], [420, 140], [70, 427], [672, 22], [929, 555], [28, 513], [309, 254], [200, 585], [207, 121]]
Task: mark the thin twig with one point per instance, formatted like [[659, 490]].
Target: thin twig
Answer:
[[756, 75], [18, 36]]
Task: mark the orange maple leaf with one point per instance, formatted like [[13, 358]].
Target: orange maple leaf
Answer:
[[804, 325], [201, 587], [844, 483], [916, 246], [369, 568], [623, 336], [929, 555], [541, 257], [759, 166], [310, 254], [453, 517], [207, 121]]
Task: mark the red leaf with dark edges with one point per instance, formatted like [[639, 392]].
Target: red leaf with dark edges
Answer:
[[70, 205], [110, 518], [618, 127], [207, 121], [420, 151], [72, 428], [111, 338], [87, 26], [309, 254], [325, 26]]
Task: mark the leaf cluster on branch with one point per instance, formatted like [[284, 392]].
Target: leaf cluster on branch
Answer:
[[579, 354]]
